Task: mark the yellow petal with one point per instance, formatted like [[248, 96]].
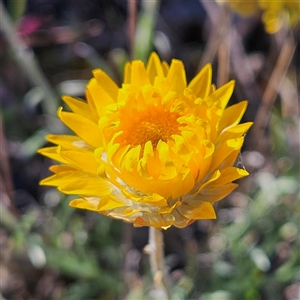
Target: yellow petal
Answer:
[[217, 194], [180, 146], [127, 73], [227, 175], [83, 204], [230, 159], [197, 211], [98, 97], [232, 115], [201, 84], [244, 8], [154, 199], [168, 170], [62, 178], [131, 159], [53, 153], [168, 209], [165, 68], [222, 94], [224, 150], [272, 21], [120, 155], [148, 149], [234, 132], [107, 84], [93, 186], [83, 160], [139, 75], [206, 162], [177, 77], [154, 67], [142, 168], [154, 166], [83, 127], [211, 179], [112, 201], [69, 142], [79, 107], [182, 184], [61, 168]]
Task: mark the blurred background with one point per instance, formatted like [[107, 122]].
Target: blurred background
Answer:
[[51, 251]]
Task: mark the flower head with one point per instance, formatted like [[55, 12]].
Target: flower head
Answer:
[[155, 152], [274, 13]]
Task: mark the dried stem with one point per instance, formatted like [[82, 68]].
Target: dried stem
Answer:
[[269, 96], [131, 26], [6, 185], [219, 18], [224, 51]]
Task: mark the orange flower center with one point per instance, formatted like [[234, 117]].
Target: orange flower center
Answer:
[[153, 124]]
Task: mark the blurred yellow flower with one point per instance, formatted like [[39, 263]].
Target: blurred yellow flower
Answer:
[[274, 13], [243, 7], [155, 152]]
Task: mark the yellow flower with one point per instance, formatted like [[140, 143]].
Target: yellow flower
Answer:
[[243, 7], [274, 13], [155, 152]]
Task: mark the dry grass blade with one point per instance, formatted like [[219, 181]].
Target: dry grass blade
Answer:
[[6, 186], [132, 9], [272, 89], [219, 19]]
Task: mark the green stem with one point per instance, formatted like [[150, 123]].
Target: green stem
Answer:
[[143, 41], [156, 253], [26, 60]]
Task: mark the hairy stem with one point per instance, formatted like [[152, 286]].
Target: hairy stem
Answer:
[[155, 249]]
